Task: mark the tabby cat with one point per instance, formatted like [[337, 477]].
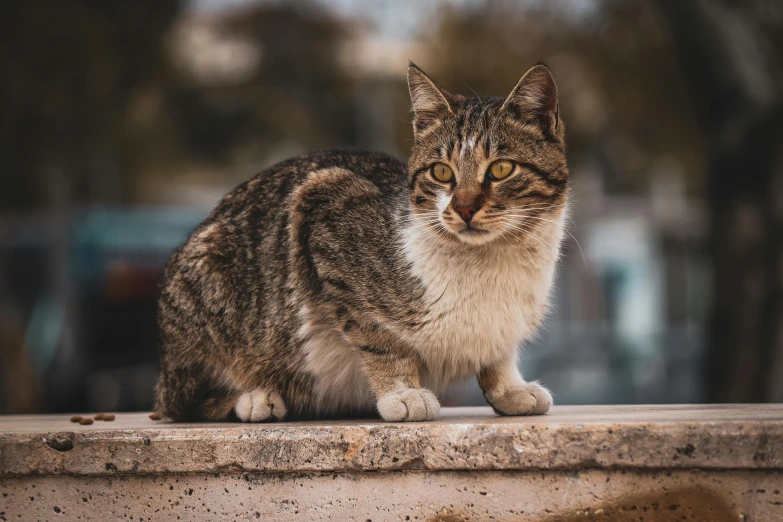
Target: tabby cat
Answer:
[[346, 283]]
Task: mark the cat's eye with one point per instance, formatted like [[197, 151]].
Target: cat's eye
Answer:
[[501, 169], [442, 172]]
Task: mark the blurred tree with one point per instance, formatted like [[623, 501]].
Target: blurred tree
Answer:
[[19, 386], [301, 74], [731, 54], [68, 68], [244, 88]]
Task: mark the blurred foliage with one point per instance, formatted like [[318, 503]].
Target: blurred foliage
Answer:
[[731, 55], [68, 69], [101, 92], [298, 98], [95, 93]]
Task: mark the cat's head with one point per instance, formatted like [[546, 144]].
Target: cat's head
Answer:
[[486, 169]]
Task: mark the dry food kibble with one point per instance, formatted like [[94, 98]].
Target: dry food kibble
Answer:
[[99, 416], [76, 418], [85, 421], [108, 417], [155, 416]]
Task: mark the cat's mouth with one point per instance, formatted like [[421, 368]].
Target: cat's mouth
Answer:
[[473, 231], [473, 235]]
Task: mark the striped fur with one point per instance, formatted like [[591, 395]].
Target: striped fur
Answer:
[[345, 283]]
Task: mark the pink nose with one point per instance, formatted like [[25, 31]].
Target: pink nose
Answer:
[[466, 204], [466, 211]]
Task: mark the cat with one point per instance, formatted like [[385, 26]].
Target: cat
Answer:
[[345, 283]]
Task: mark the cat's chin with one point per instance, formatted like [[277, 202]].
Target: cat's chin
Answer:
[[475, 236]]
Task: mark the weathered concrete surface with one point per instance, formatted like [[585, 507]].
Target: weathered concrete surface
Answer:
[[570, 438], [642, 463], [448, 496]]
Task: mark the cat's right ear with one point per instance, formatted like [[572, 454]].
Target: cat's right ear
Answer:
[[535, 99], [430, 102]]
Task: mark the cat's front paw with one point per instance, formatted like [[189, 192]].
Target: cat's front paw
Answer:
[[260, 405], [528, 399], [410, 404]]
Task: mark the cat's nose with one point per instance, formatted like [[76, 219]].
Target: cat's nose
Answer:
[[466, 205], [466, 212]]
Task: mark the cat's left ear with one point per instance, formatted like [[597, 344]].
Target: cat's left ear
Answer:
[[430, 102], [535, 99]]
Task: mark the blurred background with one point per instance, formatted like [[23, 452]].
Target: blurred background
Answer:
[[123, 123]]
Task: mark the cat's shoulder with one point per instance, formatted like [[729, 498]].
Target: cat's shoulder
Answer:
[[341, 171], [276, 184], [342, 182]]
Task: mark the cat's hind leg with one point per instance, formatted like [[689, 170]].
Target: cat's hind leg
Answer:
[[188, 393]]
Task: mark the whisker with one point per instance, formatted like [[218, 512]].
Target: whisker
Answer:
[[528, 232], [543, 206], [584, 259], [422, 227], [547, 234], [400, 224]]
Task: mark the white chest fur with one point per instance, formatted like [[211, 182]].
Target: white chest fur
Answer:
[[485, 301], [341, 385]]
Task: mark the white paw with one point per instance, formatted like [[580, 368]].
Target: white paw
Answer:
[[410, 404], [260, 405], [528, 399]]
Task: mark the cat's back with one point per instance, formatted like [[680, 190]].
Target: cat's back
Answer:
[[267, 195], [269, 191], [253, 220], [240, 263]]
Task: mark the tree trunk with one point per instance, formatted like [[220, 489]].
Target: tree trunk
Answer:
[[731, 65]]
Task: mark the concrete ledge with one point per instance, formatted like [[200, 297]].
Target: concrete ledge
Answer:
[[613, 464], [735, 437]]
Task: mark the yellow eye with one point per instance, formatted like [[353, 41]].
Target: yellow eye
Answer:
[[501, 169], [442, 172]]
